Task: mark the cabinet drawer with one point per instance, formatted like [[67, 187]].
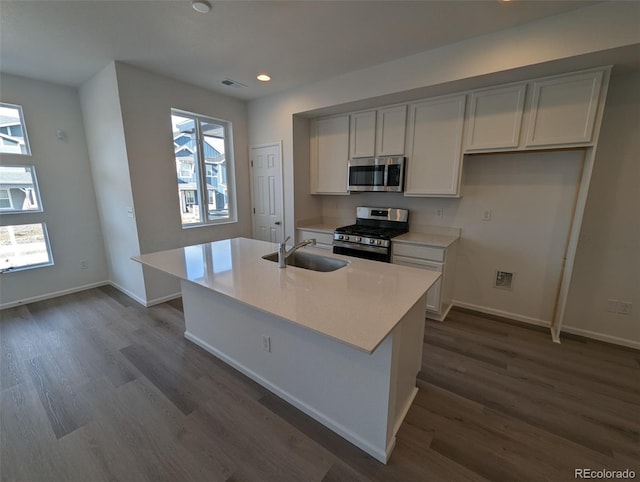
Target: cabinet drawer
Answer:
[[417, 251]]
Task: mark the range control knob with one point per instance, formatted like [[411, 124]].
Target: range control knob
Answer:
[[372, 241], [346, 238], [340, 236], [358, 239], [380, 241]]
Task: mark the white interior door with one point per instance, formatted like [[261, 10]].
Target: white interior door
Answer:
[[266, 177]]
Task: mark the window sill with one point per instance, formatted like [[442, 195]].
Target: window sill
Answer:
[[205, 225], [25, 268]]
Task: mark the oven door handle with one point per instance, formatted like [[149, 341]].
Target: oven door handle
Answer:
[[361, 247]]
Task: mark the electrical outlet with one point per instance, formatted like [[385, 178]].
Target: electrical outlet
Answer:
[[612, 306], [266, 343], [624, 307], [440, 212], [486, 215], [84, 264]]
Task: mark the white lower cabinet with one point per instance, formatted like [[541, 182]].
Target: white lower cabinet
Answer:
[[432, 258], [434, 295]]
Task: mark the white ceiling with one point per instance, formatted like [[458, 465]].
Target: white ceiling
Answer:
[[297, 42]]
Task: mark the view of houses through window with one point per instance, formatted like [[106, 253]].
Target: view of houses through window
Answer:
[[13, 135], [21, 245], [203, 168]]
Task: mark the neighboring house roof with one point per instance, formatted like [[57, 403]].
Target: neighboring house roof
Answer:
[[16, 178], [9, 121]]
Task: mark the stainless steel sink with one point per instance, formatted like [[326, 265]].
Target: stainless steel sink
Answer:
[[310, 261]]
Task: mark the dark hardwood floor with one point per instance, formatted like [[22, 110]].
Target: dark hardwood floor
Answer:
[[95, 387]]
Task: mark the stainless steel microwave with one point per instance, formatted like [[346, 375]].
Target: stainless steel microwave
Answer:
[[377, 174]]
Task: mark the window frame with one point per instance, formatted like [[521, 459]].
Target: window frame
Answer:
[[23, 124], [200, 170], [47, 243], [36, 192]]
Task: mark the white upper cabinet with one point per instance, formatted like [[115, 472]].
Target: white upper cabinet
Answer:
[[563, 109], [329, 155], [378, 132], [362, 134], [495, 117], [434, 146], [390, 132]]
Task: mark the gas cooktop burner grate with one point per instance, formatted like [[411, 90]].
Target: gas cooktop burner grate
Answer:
[[360, 230]]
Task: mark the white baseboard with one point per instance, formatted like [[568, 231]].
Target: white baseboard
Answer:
[[503, 314], [76, 289], [54, 294], [379, 454], [162, 299], [555, 337], [601, 337], [130, 294]]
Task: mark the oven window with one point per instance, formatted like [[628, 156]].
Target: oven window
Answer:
[[366, 175]]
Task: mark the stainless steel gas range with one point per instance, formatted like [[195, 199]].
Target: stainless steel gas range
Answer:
[[370, 237]]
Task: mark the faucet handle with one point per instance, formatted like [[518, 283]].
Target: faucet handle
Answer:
[[287, 239]]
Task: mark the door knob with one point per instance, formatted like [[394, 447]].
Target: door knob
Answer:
[[277, 223]]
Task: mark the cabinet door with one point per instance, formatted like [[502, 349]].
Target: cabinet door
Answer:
[[563, 109], [329, 155], [434, 147], [391, 127], [434, 295], [362, 134], [495, 117]]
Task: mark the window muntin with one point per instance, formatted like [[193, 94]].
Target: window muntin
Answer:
[[24, 246], [13, 134], [19, 191], [203, 144]]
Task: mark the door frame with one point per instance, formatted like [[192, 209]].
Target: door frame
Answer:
[[277, 144]]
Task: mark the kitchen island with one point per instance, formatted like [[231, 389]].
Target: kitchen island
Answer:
[[342, 346]]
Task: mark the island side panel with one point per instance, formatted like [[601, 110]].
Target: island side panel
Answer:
[[408, 341], [343, 388]]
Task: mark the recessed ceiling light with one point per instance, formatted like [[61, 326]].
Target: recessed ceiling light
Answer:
[[201, 6], [263, 77]]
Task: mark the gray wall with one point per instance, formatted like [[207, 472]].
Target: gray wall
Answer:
[[146, 100], [607, 262], [110, 166], [559, 44], [66, 188]]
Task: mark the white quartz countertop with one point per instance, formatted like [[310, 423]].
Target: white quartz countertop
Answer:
[[358, 305], [428, 239]]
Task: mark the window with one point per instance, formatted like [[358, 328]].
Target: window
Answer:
[[207, 195], [21, 245], [18, 189], [24, 246], [13, 135]]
